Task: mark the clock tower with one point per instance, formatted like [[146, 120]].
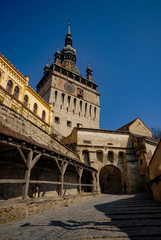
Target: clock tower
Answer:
[[74, 99]]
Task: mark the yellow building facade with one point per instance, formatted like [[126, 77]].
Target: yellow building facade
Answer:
[[15, 93]]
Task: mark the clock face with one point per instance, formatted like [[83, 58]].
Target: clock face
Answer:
[[69, 87]]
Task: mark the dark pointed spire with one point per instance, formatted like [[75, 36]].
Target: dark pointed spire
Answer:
[[69, 26], [68, 52], [68, 39]]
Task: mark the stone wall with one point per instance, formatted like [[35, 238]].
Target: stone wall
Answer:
[[18, 123], [15, 210]]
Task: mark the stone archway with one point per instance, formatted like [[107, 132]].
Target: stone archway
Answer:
[[110, 179]]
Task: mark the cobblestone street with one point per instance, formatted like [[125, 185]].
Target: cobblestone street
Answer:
[[103, 217]]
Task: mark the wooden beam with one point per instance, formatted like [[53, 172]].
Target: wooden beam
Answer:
[[12, 181], [22, 155], [44, 182], [34, 161]]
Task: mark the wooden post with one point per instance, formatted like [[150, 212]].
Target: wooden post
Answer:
[[29, 162], [61, 179], [80, 171], [27, 176], [94, 182], [62, 167]]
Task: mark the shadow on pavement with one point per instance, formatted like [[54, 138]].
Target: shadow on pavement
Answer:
[[135, 217]]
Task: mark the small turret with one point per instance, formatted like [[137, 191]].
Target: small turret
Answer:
[[47, 67], [89, 73], [57, 56]]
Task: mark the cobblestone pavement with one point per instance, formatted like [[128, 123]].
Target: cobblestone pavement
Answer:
[[103, 217]]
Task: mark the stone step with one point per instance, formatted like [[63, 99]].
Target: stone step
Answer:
[[129, 216], [133, 211]]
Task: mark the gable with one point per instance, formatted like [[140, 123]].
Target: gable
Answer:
[[140, 128]]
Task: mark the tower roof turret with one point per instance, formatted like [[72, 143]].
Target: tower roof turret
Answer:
[[47, 67], [68, 52], [89, 73]]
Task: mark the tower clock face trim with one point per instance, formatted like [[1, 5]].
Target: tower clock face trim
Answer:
[[69, 87]]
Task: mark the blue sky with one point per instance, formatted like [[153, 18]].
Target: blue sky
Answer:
[[120, 38]]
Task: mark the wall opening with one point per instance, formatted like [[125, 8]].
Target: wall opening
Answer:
[[85, 155], [110, 180]]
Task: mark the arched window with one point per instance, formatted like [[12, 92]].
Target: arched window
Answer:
[[35, 108], [85, 155], [99, 156], [80, 106], [62, 98], [90, 110], [94, 113], [16, 92], [85, 114], [43, 115], [25, 102], [69, 101], [111, 156], [9, 86], [121, 157], [74, 102], [56, 95]]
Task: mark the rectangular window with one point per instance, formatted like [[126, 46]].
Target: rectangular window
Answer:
[[57, 120]]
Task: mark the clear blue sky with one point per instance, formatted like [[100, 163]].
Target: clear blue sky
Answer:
[[120, 38]]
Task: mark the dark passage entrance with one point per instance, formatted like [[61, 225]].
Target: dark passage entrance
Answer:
[[110, 180]]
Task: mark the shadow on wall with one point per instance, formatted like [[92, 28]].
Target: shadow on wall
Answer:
[[137, 217]]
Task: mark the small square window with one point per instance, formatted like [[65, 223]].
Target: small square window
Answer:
[[69, 123]]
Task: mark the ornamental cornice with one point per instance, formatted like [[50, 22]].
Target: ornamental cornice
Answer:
[[12, 68]]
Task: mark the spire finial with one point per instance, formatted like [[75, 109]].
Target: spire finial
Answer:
[[69, 26], [57, 48]]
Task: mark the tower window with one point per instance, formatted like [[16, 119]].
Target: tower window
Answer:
[[95, 113], [85, 110], [69, 101], [62, 98], [16, 92], [9, 86], [56, 95], [74, 101], [90, 110], [80, 106], [57, 120], [79, 125], [79, 93]]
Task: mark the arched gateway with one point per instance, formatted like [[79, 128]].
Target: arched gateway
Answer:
[[110, 179]]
